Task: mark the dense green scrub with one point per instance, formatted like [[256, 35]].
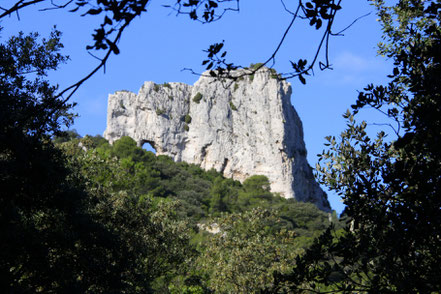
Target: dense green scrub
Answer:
[[201, 193], [259, 231]]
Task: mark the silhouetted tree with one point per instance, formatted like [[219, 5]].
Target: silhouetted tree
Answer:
[[61, 231], [392, 188]]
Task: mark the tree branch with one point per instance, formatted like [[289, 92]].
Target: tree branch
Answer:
[[55, 6], [17, 6], [350, 25]]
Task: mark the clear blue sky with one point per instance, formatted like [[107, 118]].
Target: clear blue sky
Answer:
[[158, 45]]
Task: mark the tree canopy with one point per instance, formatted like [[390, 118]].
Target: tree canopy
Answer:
[[391, 186], [62, 231]]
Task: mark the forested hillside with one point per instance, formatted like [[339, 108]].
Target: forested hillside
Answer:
[[255, 231], [201, 193]]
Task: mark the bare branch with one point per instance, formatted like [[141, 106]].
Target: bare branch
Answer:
[[73, 88], [325, 39], [94, 56], [17, 6], [286, 8], [223, 70], [55, 6], [284, 36], [397, 132], [251, 71], [346, 28]]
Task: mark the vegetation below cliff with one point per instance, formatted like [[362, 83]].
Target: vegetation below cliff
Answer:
[[249, 218]]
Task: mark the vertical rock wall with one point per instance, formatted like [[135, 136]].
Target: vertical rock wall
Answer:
[[246, 129]]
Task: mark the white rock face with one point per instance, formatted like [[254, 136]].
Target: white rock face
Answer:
[[249, 128]]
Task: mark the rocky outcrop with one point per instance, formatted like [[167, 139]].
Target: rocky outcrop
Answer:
[[245, 129]]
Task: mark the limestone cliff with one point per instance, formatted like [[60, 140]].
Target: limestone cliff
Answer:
[[246, 129]]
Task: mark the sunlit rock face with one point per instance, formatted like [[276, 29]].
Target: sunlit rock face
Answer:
[[245, 129]]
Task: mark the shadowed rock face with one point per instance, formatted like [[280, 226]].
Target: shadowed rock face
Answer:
[[246, 129]]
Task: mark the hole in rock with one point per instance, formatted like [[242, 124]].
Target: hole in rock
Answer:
[[149, 146]]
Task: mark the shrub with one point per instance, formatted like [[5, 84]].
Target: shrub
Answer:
[[186, 128], [197, 98], [232, 106], [255, 66], [187, 119], [160, 111]]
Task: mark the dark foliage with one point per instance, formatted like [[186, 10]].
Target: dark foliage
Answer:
[[391, 188], [60, 233]]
